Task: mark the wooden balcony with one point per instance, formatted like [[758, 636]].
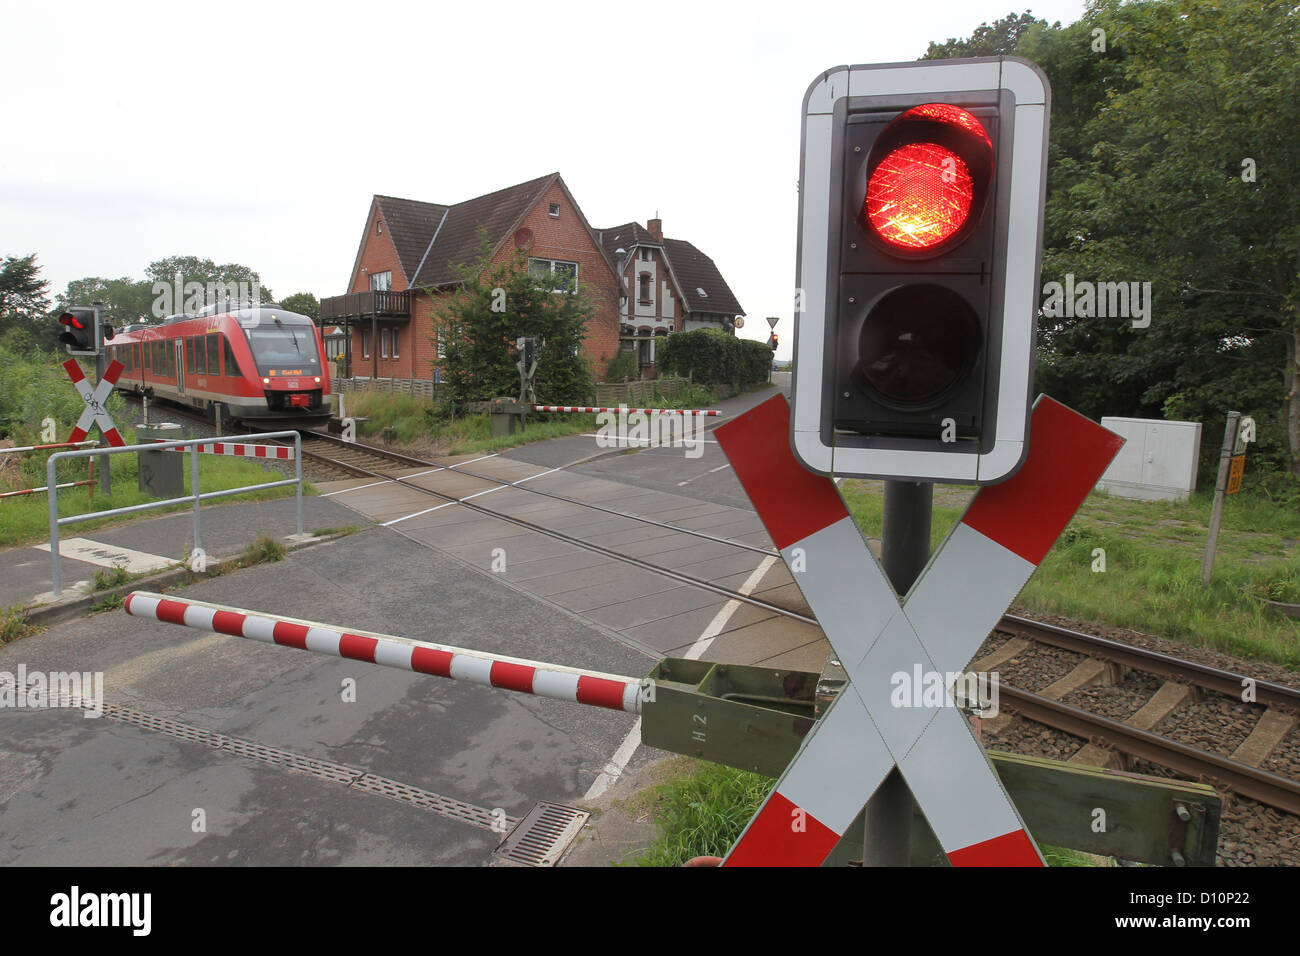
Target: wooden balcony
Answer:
[[366, 305]]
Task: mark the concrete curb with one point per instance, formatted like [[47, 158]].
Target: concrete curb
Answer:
[[45, 615]]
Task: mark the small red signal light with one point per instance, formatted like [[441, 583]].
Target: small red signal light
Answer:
[[67, 318], [947, 113], [919, 195]]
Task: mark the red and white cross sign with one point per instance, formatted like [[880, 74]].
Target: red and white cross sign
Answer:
[[960, 596], [95, 399]]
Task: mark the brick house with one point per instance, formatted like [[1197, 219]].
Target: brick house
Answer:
[[669, 286], [408, 253], [642, 284]]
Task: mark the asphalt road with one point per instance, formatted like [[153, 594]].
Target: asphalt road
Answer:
[[110, 792]]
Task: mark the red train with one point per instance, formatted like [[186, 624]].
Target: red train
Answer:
[[257, 364]]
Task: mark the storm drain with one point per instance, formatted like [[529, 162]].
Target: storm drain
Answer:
[[542, 836], [354, 779]]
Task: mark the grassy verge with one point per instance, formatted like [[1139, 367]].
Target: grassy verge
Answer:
[[1137, 564], [425, 426], [26, 520], [703, 807]]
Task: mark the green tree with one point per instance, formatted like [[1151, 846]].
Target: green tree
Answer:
[[498, 303], [303, 303], [999, 39], [125, 300], [163, 274], [23, 303], [1187, 183]]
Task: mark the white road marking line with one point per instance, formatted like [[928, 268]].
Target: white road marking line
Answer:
[[617, 763], [445, 504], [648, 442], [724, 615], [538, 475], [356, 488], [709, 472]]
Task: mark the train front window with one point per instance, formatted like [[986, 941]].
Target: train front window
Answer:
[[283, 346]]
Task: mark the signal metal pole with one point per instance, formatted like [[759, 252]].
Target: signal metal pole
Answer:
[[1220, 488], [101, 366], [904, 551]]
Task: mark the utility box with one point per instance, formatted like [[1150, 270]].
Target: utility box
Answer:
[[507, 416], [161, 473], [1157, 462]]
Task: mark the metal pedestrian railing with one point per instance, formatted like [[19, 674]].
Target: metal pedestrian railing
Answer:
[[194, 497]]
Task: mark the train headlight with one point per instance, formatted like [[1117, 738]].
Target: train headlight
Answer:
[[266, 381], [317, 379]]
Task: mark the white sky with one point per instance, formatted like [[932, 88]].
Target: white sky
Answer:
[[257, 132]]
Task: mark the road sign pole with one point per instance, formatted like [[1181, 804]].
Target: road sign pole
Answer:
[[904, 551], [1220, 488], [105, 473]]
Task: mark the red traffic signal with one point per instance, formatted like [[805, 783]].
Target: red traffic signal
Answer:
[[920, 219], [78, 329]]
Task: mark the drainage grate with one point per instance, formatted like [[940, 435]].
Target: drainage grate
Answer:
[[351, 777], [542, 836], [448, 807]]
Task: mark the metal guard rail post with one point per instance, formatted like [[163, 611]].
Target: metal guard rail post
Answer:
[[194, 497]]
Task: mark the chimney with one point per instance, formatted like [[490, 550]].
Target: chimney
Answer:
[[656, 227]]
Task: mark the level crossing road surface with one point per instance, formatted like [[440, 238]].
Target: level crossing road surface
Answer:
[[192, 765]]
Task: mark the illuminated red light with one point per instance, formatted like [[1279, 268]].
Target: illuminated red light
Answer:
[[947, 113], [919, 195]]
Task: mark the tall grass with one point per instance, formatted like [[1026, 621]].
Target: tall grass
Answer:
[[1151, 580]]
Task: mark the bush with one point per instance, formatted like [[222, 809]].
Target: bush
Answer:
[[623, 367], [712, 357]]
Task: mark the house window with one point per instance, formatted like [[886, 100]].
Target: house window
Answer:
[[365, 345], [394, 343], [645, 255], [381, 281], [564, 275], [555, 210], [643, 287], [442, 345], [379, 227], [383, 343]]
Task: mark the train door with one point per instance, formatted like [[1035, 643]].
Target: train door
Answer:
[[179, 345]]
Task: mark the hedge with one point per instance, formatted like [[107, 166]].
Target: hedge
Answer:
[[712, 357]]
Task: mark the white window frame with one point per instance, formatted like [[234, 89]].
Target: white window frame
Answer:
[[365, 345], [442, 343], [393, 339], [551, 264], [554, 210], [383, 343], [381, 281]]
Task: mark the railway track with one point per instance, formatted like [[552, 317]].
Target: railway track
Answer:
[[1276, 704]]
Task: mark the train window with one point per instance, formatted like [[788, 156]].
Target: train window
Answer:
[[200, 354], [214, 352], [189, 355], [232, 366]]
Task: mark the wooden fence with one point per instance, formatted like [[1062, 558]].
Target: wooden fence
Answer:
[[420, 387], [638, 393]]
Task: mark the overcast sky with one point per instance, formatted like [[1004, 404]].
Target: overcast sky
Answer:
[[257, 132]]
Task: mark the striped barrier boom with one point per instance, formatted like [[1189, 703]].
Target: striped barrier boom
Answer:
[[456, 663], [937, 628], [626, 411], [239, 449], [58, 444]]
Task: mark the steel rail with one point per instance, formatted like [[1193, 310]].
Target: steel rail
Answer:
[[1217, 679], [1270, 788]]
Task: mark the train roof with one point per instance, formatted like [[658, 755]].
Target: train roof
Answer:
[[249, 317]]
